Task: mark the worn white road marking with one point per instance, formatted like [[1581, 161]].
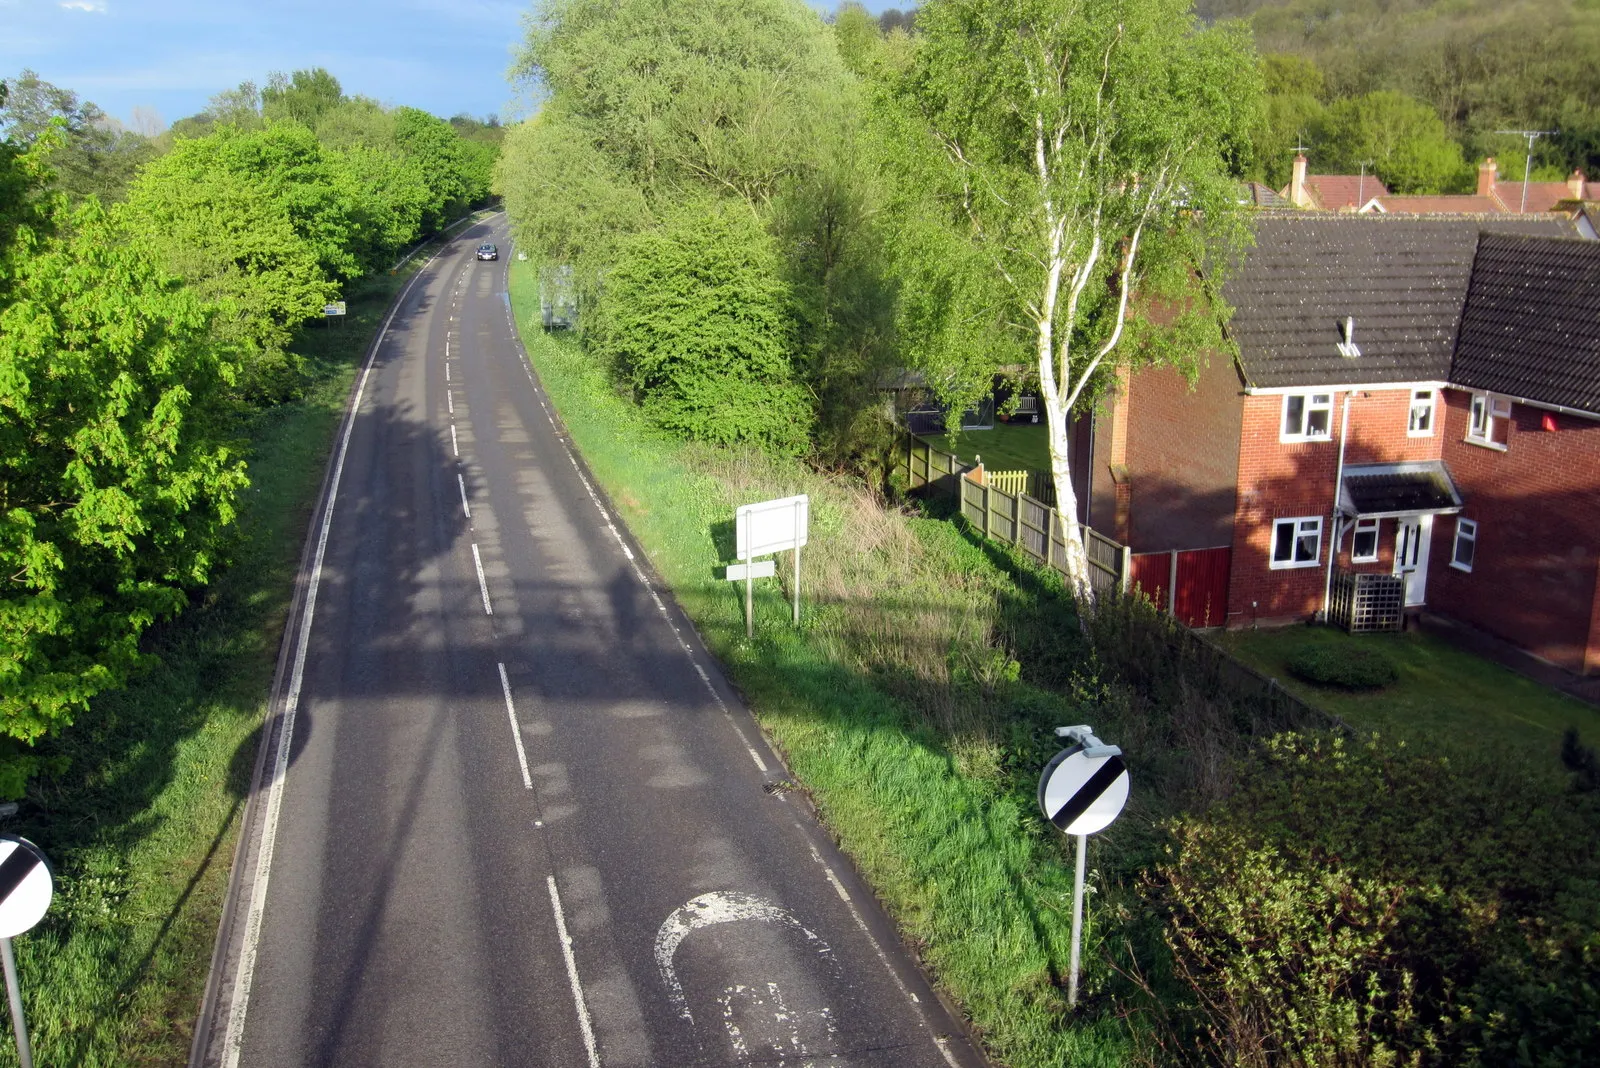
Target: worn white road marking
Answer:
[[455, 447], [944, 1048], [861, 922], [483, 585], [572, 974], [516, 731], [462, 483], [447, 366], [708, 910], [233, 1038], [450, 400]]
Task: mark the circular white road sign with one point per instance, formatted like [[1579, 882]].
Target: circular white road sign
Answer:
[[25, 885], [1082, 794]]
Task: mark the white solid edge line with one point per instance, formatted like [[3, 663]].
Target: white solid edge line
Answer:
[[233, 1039], [572, 974], [483, 585], [462, 482], [516, 731]]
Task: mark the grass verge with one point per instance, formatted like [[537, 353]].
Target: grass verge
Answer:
[[1006, 447], [896, 703], [140, 811]]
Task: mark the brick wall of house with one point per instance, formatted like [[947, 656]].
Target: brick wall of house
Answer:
[[1534, 579], [1279, 480], [1183, 457]]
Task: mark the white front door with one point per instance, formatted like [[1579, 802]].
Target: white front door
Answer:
[[1411, 556]]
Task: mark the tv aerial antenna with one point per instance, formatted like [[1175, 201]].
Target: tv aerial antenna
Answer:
[[1527, 165]]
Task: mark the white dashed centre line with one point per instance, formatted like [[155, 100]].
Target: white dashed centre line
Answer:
[[450, 400], [483, 585], [455, 448], [461, 482], [572, 974], [516, 731]]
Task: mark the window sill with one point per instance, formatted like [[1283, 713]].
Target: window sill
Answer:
[[1295, 567], [1304, 439], [1482, 444], [1419, 433], [1363, 559], [1463, 568]]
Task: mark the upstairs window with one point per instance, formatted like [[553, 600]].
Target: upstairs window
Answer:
[[1297, 542], [1307, 417], [1466, 546], [1364, 547], [1486, 410], [1420, 424]]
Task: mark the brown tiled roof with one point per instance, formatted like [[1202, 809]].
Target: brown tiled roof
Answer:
[[1531, 326], [1441, 205], [1542, 196], [1264, 196], [1403, 278], [1332, 192]]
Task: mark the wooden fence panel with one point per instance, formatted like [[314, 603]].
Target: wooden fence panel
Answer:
[[1150, 576], [1201, 596]]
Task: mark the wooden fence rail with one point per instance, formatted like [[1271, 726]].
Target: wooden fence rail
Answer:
[[1013, 518]]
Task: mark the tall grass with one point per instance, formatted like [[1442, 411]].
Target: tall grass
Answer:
[[139, 811]]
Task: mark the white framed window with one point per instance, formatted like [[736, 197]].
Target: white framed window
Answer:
[[1420, 423], [1307, 417], [1466, 544], [1364, 547], [1297, 542], [1480, 424]]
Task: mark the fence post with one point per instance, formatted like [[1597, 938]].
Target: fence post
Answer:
[[985, 485], [1049, 537], [1016, 519], [1172, 586], [1127, 568]]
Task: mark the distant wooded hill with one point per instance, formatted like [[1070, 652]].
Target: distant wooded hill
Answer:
[[1484, 65]]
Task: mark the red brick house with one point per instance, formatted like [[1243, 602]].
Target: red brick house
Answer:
[[1413, 396]]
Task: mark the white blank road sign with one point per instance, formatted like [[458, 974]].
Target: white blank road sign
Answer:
[[1082, 794], [771, 526], [25, 885]]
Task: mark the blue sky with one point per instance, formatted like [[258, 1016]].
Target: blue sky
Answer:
[[446, 56]]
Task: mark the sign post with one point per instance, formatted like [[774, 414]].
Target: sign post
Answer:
[[1081, 791], [25, 891], [762, 529]]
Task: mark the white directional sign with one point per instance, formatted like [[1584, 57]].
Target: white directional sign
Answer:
[[759, 569], [25, 885], [1082, 794], [771, 526]]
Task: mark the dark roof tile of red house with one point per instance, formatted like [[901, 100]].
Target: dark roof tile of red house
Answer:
[[1401, 278], [1531, 326]]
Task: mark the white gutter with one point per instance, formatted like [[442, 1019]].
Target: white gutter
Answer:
[[1338, 489]]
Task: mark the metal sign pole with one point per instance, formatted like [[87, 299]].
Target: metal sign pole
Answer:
[[749, 594], [14, 992], [1077, 921]]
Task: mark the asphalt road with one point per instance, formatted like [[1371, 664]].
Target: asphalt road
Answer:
[[520, 819]]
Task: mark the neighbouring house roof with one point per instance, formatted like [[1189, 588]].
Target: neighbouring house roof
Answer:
[[1531, 325], [1435, 205], [1421, 487], [1261, 195], [1401, 279], [1542, 196], [1343, 192]]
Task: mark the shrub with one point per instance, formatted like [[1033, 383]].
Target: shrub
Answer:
[[1347, 667], [694, 319]]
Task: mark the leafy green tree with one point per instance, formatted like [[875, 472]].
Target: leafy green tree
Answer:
[[1083, 151], [115, 481], [442, 158], [1401, 139], [304, 97], [694, 318], [93, 157]]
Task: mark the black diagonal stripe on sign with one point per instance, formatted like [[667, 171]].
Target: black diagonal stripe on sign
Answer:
[[16, 868], [1087, 794]]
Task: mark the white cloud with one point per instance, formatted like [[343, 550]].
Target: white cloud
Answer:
[[96, 6]]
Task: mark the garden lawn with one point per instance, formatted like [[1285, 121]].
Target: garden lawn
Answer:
[[1008, 447], [1445, 696]]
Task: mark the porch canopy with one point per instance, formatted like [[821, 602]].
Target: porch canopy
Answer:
[[1384, 491]]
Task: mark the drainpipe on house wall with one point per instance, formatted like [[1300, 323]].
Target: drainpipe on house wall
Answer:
[[1333, 526]]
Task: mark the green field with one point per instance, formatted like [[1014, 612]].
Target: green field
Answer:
[[1008, 447]]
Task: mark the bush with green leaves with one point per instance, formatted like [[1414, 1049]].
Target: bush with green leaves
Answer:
[[1347, 667], [1365, 903], [694, 320]]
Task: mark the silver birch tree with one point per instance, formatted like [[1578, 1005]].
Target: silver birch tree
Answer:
[[1085, 148]]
